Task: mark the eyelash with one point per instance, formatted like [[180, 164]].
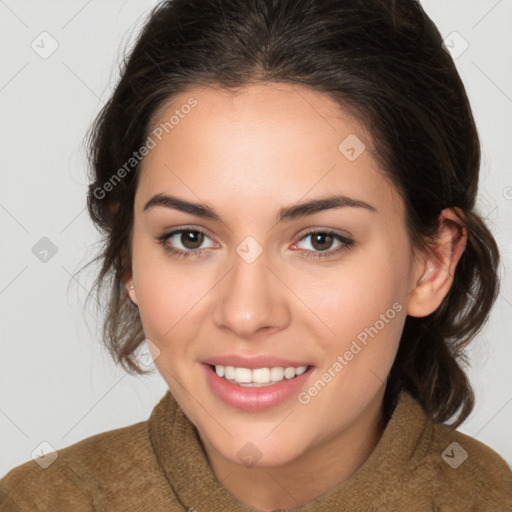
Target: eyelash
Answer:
[[347, 244]]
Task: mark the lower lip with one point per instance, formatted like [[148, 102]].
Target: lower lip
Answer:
[[255, 399]]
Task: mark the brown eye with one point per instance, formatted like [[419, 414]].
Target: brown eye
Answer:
[[322, 241], [184, 242], [191, 239]]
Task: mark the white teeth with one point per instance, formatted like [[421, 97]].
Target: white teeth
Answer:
[[229, 372], [243, 375], [276, 374], [261, 375], [289, 372], [300, 369], [258, 376]]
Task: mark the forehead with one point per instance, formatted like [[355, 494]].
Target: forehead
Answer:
[[274, 142]]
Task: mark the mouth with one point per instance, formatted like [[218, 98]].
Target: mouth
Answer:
[[256, 389], [257, 377]]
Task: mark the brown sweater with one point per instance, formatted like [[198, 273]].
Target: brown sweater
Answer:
[[159, 465]]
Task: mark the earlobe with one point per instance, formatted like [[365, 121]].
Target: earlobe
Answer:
[[130, 288], [438, 266]]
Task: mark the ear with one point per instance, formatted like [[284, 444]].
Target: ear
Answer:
[[130, 289], [435, 268]]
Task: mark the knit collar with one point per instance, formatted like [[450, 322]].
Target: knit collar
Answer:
[[180, 453]]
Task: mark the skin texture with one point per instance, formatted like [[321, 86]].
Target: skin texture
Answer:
[[246, 155]]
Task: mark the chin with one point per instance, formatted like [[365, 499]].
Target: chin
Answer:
[[255, 455], [260, 449]]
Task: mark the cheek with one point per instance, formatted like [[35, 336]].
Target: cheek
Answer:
[[363, 299], [168, 295]]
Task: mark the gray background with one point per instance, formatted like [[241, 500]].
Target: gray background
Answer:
[[57, 383]]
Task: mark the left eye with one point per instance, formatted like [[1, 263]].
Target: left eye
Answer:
[[321, 242]]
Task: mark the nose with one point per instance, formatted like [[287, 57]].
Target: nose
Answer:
[[251, 299]]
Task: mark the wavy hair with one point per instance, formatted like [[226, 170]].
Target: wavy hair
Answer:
[[382, 60]]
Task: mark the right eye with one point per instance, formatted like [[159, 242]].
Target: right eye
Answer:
[[190, 239]]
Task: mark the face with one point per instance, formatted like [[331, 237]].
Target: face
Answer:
[[255, 282]]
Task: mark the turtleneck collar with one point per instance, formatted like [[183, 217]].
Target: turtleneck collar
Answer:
[[180, 453]]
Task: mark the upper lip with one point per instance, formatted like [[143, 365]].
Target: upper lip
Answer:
[[259, 361]]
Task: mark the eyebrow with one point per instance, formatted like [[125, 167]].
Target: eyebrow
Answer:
[[287, 213]]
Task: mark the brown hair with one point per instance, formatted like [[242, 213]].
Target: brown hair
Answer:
[[384, 61]]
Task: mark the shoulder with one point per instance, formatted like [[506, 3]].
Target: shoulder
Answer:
[[78, 476], [469, 472]]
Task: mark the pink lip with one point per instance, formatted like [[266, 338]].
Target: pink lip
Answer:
[[255, 399], [259, 361]]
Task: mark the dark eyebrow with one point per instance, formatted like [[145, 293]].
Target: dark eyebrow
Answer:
[[287, 213], [318, 205], [169, 201]]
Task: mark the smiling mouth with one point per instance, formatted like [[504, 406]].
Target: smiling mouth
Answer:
[[257, 377]]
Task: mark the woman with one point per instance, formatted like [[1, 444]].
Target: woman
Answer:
[[287, 191]]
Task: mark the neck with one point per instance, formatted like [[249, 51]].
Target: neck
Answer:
[[310, 475]]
